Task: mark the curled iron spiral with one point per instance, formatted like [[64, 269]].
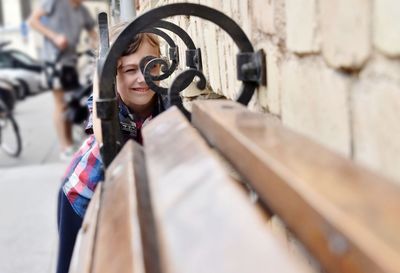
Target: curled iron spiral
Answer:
[[147, 64], [183, 80]]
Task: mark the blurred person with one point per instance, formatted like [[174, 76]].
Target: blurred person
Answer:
[[65, 20], [137, 105]]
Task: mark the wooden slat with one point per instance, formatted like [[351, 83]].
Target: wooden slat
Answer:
[[82, 257], [345, 214], [205, 222], [118, 245]]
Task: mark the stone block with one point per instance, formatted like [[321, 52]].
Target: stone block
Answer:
[[263, 15], [216, 4], [345, 32], [191, 30], [386, 26], [233, 84], [182, 22], [242, 16], [199, 24], [301, 26], [315, 102], [274, 76], [227, 9], [235, 10], [376, 126], [269, 97], [245, 18], [222, 40], [212, 59], [279, 21]]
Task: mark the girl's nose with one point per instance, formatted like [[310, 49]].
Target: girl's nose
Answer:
[[140, 77]]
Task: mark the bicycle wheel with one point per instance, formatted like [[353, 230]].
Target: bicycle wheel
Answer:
[[10, 138]]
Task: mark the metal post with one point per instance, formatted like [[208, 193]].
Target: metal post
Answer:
[[127, 10], [114, 11]]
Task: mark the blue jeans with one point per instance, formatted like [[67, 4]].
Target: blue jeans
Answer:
[[69, 224]]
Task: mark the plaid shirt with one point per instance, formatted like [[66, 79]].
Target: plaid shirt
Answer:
[[86, 169], [83, 174]]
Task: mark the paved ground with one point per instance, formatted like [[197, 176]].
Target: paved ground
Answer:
[[28, 234], [34, 117], [28, 187]]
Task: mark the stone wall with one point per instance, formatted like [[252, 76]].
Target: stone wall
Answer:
[[333, 69]]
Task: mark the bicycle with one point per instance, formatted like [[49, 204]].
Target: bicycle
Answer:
[[10, 137]]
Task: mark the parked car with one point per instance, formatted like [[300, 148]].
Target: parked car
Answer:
[[17, 66]]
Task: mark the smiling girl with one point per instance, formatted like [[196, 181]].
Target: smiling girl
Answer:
[[138, 104]]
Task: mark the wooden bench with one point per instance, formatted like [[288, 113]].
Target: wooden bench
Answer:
[[172, 206]]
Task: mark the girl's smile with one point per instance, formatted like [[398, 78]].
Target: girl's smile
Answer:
[[131, 85]]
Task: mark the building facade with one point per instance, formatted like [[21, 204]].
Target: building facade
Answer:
[[333, 69]]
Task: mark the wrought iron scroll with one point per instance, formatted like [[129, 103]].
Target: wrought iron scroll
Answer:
[[167, 66], [250, 65], [193, 58], [146, 65], [180, 83], [187, 40], [193, 54], [173, 54]]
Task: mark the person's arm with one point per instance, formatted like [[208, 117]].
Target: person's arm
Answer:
[[34, 22], [93, 38]]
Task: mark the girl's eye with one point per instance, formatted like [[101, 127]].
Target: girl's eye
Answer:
[[131, 70]]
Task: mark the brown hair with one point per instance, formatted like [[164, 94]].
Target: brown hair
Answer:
[[151, 38]]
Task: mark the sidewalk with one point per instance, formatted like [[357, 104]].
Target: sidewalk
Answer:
[[29, 186], [28, 229], [34, 116]]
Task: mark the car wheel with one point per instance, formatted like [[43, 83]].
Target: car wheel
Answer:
[[24, 89]]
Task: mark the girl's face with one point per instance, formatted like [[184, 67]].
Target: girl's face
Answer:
[[131, 85]]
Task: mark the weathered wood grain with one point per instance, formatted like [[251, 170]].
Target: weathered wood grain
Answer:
[[345, 214], [81, 261], [205, 222], [118, 245]]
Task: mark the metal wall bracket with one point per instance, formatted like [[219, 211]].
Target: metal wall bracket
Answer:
[[174, 54], [251, 67], [193, 59]]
